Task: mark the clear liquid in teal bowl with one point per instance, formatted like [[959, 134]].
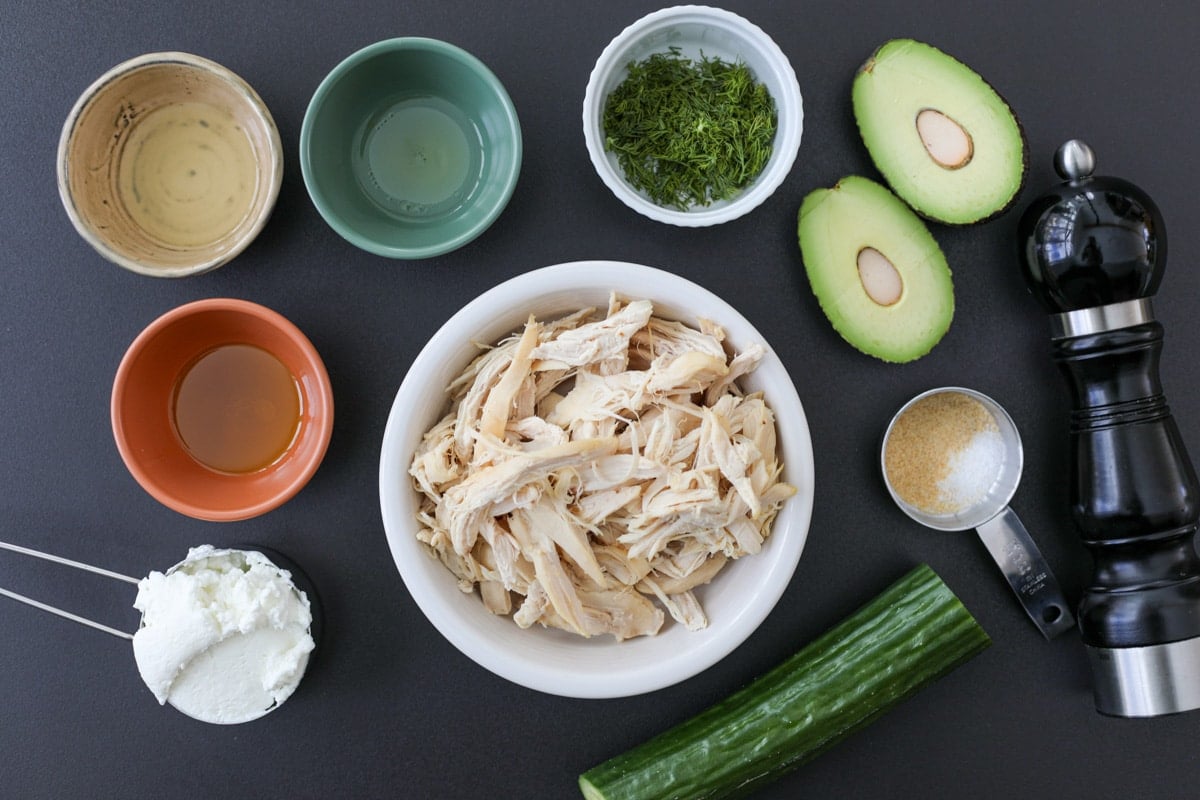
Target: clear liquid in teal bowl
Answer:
[[418, 158]]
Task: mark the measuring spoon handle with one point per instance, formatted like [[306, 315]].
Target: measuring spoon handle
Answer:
[[1027, 572]]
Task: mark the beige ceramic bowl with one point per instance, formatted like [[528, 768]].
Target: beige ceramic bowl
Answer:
[[169, 165]]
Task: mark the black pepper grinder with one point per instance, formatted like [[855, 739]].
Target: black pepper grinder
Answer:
[[1093, 252]]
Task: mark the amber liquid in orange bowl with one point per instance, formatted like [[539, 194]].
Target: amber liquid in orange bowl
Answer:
[[236, 408]]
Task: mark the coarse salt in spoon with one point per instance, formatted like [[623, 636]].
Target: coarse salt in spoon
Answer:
[[952, 461]]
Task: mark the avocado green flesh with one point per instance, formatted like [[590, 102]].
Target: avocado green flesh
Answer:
[[835, 226], [906, 77]]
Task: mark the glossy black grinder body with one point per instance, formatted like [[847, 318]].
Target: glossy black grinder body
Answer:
[[1093, 251]]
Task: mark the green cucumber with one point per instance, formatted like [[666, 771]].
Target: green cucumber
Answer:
[[903, 640]]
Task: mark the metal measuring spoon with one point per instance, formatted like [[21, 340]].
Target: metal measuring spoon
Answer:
[[997, 525], [300, 584]]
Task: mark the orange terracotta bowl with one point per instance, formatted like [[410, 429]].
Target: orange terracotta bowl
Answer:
[[142, 410]]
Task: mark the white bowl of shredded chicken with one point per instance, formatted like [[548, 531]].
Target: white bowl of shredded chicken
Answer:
[[596, 479]]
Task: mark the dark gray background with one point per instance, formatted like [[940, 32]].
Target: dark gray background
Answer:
[[389, 708]]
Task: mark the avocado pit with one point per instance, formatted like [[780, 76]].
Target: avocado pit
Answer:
[[946, 142], [880, 278]]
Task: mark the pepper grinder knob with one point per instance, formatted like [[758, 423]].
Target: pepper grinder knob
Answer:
[[1093, 252], [1095, 245], [1074, 161]]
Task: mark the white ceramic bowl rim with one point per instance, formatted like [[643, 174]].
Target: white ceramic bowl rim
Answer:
[[553, 661], [788, 104], [272, 179]]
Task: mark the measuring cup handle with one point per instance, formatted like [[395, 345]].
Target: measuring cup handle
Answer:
[[1027, 572]]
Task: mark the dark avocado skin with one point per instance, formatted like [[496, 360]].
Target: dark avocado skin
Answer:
[[866, 66]]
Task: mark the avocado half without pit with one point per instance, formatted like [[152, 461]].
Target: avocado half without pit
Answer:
[[940, 135], [875, 269]]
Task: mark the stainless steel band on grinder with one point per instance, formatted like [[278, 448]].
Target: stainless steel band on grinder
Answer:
[[1101, 319], [1146, 681]]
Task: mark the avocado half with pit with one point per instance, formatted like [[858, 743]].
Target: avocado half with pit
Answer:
[[942, 137], [875, 269]]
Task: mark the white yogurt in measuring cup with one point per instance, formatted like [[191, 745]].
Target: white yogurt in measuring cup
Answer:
[[225, 635]]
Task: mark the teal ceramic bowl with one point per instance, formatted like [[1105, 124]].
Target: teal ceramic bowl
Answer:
[[410, 148]]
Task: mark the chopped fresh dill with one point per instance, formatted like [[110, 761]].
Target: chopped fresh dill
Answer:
[[689, 132]]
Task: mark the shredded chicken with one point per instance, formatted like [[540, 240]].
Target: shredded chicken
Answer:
[[595, 470]]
